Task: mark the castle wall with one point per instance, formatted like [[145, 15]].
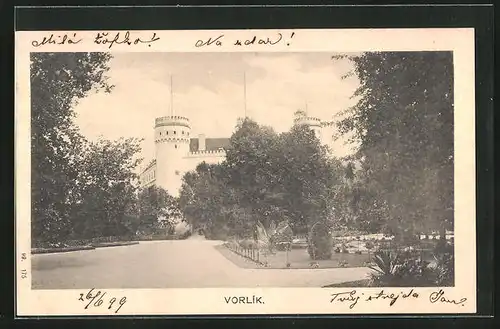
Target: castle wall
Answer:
[[172, 144], [172, 170], [210, 157], [148, 176], [174, 159], [193, 159]]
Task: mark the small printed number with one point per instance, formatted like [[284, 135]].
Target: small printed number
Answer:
[[24, 274], [23, 256]]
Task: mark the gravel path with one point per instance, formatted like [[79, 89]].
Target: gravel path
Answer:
[[192, 263]]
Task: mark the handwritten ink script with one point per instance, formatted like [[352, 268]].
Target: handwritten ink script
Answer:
[[101, 38], [126, 38], [98, 298], [353, 297], [271, 40], [119, 38], [55, 39]]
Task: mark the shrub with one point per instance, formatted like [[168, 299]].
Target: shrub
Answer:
[[445, 269], [232, 245], [283, 246], [185, 235], [442, 247], [320, 242], [408, 269], [343, 263], [369, 245]]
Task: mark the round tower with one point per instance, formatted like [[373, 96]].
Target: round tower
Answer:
[[313, 123], [172, 136]]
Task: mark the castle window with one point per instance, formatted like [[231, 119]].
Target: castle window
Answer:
[[175, 145], [167, 132], [183, 132], [175, 132], [160, 133]]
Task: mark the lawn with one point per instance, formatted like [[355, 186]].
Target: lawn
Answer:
[[297, 258]]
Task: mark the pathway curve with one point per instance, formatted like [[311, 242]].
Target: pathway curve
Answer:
[[192, 263]]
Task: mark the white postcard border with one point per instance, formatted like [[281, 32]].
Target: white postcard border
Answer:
[[277, 300]]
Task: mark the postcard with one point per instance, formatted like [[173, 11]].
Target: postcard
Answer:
[[226, 172]]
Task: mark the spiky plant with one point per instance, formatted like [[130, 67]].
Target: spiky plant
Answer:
[[263, 238], [385, 266], [268, 238]]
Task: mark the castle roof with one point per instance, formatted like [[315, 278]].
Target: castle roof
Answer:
[[211, 144]]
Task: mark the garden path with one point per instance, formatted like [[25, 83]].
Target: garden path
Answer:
[[191, 263]]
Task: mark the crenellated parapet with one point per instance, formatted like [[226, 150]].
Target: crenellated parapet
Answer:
[[304, 120], [172, 139], [172, 120], [220, 152]]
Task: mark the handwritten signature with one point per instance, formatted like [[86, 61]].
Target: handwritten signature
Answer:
[[439, 296], [352, 297], [97, 300]]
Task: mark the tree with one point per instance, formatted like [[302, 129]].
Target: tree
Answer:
[[208, 203], [266, 177], [310, 178], [403, 122], [250, 161], [157, 209], [106, 186], [58, 80]]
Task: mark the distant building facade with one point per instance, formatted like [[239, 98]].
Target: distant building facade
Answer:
[[177, 152]]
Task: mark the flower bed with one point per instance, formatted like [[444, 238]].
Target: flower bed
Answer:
[[35, 251], [114, 244], [100, 242], [296, 259]]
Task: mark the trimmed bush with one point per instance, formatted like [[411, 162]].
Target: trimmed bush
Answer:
[[320, 242]]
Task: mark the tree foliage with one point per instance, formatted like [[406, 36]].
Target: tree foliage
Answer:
[[80, 188], [320, 241], [266, 177], [106, 193], [403, 124], [58, 80], [157, 210]]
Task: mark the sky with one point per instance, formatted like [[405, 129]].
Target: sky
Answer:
[[208, 88]]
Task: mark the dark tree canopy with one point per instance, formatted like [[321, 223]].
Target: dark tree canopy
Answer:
[[80, 189], [403, 124], [266, 177], [58, 80]]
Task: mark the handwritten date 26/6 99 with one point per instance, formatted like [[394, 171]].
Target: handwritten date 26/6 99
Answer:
[[98, 298]]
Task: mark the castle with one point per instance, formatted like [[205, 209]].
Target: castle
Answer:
[[177, 152]]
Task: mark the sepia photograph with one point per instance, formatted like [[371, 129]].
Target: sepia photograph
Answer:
[[242, 170], [183, 165]]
